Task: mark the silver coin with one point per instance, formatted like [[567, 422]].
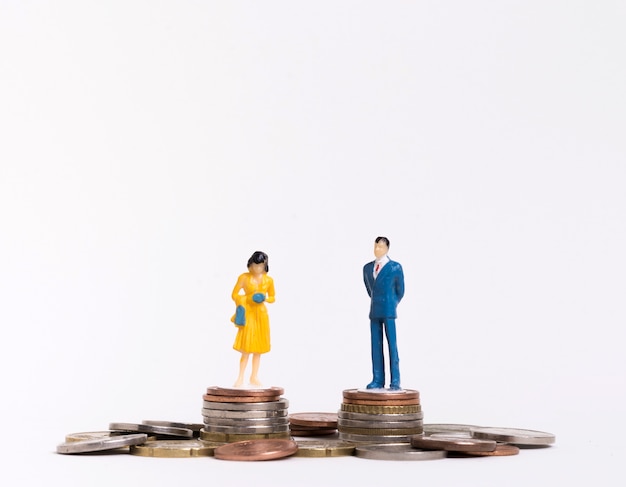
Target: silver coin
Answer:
[[152, 430], [397, 452], [385, 417], [430, 428], [87, 435], [102, 444], [247, 430], [195, 427], [247, 406], [375, 438], [514, 436], [451, 434], [360, 423], [246, 421], [225, 413]]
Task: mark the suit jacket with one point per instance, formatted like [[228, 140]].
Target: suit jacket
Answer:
[[386, 290]]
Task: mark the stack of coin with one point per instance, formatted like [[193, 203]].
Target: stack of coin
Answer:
[[313, 424], [232, 415], [380, 416]]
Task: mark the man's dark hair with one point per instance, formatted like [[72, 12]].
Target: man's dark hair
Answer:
[[384, 239]]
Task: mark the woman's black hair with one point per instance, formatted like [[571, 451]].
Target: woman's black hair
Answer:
[[259, 258]]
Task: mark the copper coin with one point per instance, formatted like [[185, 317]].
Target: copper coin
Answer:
[[313, 432], [452, 443], [249, 399], [377, 394], [502, 450], [382, 402], [223, 391], [323, 420], [255, 450]]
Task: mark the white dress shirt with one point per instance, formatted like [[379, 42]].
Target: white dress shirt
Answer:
[[379, 264]]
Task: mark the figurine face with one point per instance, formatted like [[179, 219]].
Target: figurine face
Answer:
[[257, 269], [380, 249]]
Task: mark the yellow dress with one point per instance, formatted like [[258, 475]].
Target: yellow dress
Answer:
[[254, 336]]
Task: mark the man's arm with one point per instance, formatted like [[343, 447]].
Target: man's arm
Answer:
[[399, 283]]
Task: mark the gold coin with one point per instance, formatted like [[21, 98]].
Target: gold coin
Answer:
[[382, 402], [232, 437], [324, 448], [369, 409], [175, 448]]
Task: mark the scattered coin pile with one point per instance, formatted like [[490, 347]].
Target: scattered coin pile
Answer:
[[254, 425], [374, 416]]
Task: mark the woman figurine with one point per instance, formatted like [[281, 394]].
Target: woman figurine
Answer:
[[253, 335]]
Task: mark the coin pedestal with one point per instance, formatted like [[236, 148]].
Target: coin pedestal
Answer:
[[232, 415], [380, 416]]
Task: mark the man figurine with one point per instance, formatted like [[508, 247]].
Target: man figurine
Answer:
[[384, 281]]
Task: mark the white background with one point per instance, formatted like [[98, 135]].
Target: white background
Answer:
[[149, 147]]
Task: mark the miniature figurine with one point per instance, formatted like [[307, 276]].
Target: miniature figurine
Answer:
[[251, 318], [384, 281]]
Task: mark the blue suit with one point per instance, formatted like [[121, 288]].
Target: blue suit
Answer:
[[385, 291]]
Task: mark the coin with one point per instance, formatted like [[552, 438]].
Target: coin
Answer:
[[195, 427], [382, 402], [257, 406], [255, 450], [502, 449], [381, 431], [375, 438], [246, 421], [234, 392], [175, 448], [452, 443], [324, 448], [150, 429], [321, 420], [211, 428], [381, 409], [245, 414], [390, 417], [430, 428], [88, 435], [312, 432], [238, 399], [453, 434], [233, 437], [514, 436], [379, 423], [397, 452], [386, 395], [101, 444]]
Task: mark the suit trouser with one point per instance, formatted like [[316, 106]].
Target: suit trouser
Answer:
[[378, 360]]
